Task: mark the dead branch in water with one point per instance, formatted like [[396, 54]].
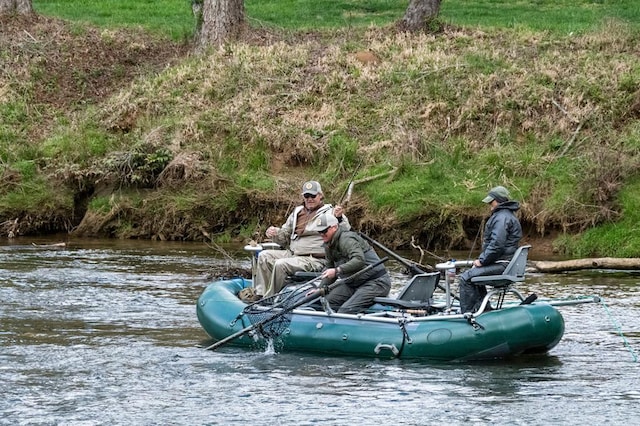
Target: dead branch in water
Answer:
[[229, 270], [53, 245], [423, 251], [220, 250], [9, 228], [594, 263]]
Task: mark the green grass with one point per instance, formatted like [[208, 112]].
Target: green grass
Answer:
[[618, 239], [174, 18], [562, 16], [36, 195], [100, 204], [309, 14], [77, 147]]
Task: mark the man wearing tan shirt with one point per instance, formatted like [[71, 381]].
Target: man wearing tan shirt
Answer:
[[303, 249]]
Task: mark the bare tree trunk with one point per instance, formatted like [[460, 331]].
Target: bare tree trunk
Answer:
[[221, 20], [419, 14], [16, 6], [597, 263]]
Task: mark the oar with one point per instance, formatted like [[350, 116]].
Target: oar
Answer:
[[308, 299], [413, 267]]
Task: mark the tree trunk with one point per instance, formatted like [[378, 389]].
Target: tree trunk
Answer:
[[599, 263], [220, 21], [419, 14], [15, 6]]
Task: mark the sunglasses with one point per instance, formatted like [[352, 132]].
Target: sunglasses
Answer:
[[324, 231], [310, 195]]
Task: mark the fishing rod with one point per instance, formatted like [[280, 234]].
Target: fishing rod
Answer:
[[475, 240], [349, 190]]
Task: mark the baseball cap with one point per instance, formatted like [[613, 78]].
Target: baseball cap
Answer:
[[312, 187], [323, 221], [498, 193]]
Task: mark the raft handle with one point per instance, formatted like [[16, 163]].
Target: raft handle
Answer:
[[391, 347]]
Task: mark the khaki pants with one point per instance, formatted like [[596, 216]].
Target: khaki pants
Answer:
[[273, 266]]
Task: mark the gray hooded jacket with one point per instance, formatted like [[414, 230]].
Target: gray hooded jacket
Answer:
[[502, 234]]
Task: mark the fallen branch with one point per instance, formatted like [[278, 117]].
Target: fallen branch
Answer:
[[564, 111], [53, 245], [571, 141], [423, 251], [10, 228], [595, 263], [347, 196], [414, 245], [220, 250], [378, 176], [573, 119]]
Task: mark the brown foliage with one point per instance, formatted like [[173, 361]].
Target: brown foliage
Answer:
[[72, 70]]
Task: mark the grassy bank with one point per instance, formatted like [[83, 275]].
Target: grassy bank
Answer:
[[215, 146]]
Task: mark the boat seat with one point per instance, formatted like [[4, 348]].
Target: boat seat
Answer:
[[502, 284], [416, 294]]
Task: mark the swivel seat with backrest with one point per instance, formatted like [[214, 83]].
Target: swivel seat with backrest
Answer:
[[503, 283], [416, 294]]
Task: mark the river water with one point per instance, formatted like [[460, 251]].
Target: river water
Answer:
[[105, 332]]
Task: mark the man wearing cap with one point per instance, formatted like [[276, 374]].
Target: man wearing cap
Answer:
[[502, 235], [303, 246], [347, 253]]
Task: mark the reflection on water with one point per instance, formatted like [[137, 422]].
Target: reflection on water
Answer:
[[105, 332]]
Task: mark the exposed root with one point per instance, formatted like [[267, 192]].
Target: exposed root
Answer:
[[9, 228]]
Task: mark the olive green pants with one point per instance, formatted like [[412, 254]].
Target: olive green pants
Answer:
[[353, 300]]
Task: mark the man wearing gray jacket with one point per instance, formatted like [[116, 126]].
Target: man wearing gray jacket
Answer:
[[502, 235], [302, 246]]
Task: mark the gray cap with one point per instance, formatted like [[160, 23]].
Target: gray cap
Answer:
[[323, 221], [499, 193], [312, 187]]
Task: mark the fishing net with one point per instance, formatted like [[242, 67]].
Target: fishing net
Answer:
[[273, 314]]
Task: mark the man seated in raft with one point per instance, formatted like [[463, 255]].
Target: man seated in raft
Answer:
[[347, 253], [303, 245], [502, 234]]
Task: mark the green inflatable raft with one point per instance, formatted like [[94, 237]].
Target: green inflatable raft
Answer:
[[425, 332]]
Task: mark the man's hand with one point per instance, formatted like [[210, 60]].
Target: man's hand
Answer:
[[323, 290], [272, 231], [330, 273], [313, 291], [337, 211], [477, 263]]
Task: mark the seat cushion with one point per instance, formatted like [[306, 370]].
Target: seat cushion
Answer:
[[402, 304]]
